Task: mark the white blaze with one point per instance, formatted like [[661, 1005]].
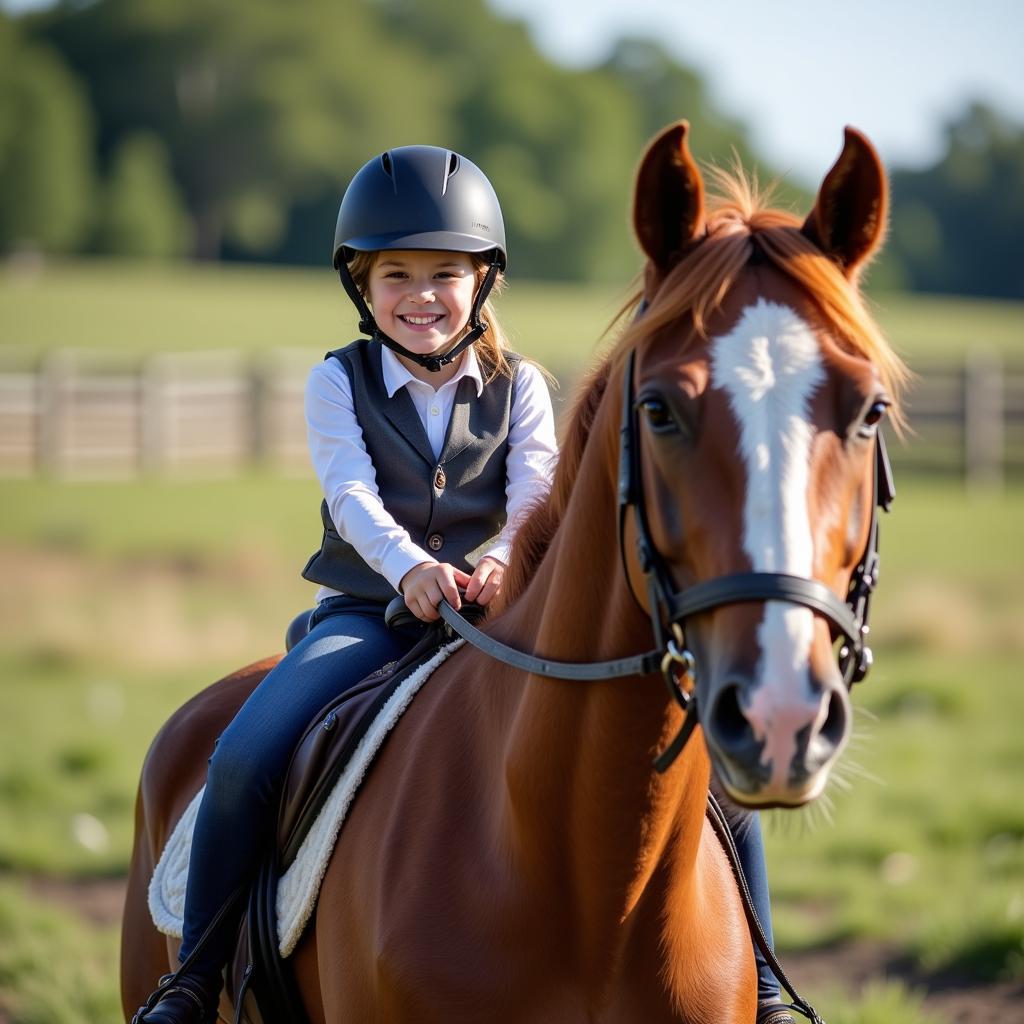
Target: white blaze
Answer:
[[770, 366]]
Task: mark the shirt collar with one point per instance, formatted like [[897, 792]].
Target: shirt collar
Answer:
[[397, 375]]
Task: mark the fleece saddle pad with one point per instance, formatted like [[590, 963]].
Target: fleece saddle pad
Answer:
[[299, 886]]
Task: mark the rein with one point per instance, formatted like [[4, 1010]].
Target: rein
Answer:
[[668, 608]]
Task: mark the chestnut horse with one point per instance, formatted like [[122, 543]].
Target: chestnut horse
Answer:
[[513, 856]]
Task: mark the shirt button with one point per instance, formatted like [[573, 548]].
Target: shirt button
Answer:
[[435, 541], [434, 411], [440, 479]]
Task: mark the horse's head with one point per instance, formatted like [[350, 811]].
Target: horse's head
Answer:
[[758, 385]]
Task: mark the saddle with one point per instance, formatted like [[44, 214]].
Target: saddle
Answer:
[[263, 982]]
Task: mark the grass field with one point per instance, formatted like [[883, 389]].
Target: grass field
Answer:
[[139, 309], [121, 599]]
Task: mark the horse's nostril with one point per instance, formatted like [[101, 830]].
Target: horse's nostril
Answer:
[[835, 723], [832, 733], [731, 729]]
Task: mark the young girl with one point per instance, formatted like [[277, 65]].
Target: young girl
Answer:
[[430, 440]]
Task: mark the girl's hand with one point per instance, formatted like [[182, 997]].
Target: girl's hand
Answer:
[[425, 584], [485, 583]]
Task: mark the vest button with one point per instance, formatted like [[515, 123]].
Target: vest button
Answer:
[[440, 479], [435, 542]]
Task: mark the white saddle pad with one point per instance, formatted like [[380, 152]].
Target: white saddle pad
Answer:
[[299, 886]]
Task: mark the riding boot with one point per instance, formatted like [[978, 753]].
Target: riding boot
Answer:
[[187, 999], [775, 1013]]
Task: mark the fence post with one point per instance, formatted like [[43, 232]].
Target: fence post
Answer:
[[983, 419], [56, 384], [259, 411], [154, 441]]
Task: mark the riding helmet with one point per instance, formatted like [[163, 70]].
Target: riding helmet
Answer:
[[419, 197]]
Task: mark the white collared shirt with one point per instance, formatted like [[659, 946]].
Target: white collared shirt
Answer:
[[349, 481]]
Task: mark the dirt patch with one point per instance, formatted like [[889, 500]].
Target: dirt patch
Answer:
[[848, 967], [99, 901], [955, 998], [171, 612]]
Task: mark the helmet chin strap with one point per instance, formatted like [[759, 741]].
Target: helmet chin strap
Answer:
[[433, 362]]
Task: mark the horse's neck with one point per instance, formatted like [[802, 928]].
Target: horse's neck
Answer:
[[587, 815]]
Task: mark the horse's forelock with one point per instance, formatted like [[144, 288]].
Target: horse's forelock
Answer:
[[739, 219]]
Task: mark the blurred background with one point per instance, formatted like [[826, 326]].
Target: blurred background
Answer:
[[169, 178]]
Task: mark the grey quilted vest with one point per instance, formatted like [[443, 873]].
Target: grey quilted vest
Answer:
[[452, 506]]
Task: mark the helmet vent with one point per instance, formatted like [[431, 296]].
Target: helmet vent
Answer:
[[453, 166], [385, 162]]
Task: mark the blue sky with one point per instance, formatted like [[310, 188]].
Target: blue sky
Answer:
[[796, 71]]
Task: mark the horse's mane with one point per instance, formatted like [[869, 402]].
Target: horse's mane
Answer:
[[534, 535], [739, 222]]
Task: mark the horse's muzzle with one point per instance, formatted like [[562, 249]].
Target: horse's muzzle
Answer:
[[776, 750]]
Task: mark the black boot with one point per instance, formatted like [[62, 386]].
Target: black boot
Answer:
[[182, 999], [774, 1013]]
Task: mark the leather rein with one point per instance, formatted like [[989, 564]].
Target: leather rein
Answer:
[[668, 608]]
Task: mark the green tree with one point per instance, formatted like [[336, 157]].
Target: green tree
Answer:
[[141, 212], [957, 226], [267, 109], [258, 102], [46, 159]]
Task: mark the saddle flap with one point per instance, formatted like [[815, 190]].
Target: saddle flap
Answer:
[[328, 743]]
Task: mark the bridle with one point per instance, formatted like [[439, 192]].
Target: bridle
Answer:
[[668, 608]]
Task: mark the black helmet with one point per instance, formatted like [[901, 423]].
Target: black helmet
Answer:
[[419, 197]]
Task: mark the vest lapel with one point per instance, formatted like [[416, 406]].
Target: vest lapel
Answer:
[[398, 410], [402, 414], [458, 435]]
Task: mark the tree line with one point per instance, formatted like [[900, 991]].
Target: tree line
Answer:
[[227, 130]]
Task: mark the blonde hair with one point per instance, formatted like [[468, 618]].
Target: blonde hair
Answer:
[[492, 345]]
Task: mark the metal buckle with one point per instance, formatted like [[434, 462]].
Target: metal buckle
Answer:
[[677, 665]]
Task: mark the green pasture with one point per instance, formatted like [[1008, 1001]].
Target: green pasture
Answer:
[[142, 308], [121, 599]]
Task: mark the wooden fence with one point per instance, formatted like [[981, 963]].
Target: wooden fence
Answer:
[[84, 414], [87, 414]]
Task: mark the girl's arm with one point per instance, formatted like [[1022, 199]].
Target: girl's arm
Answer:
[[348, 479]]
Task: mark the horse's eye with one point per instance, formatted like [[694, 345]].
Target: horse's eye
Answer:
[[657, 413], [872, 418]]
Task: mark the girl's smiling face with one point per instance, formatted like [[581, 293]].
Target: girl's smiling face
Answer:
[[422, 298]]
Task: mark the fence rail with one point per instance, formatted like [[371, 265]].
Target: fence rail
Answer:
[[86, 414]]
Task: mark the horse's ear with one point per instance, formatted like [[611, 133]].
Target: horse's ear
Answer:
[[849, 216], [668, 205]]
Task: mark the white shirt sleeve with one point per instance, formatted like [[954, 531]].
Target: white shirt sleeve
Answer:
[[347, 477], [532, 454]]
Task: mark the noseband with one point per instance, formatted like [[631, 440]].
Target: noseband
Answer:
[[669, 608]]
